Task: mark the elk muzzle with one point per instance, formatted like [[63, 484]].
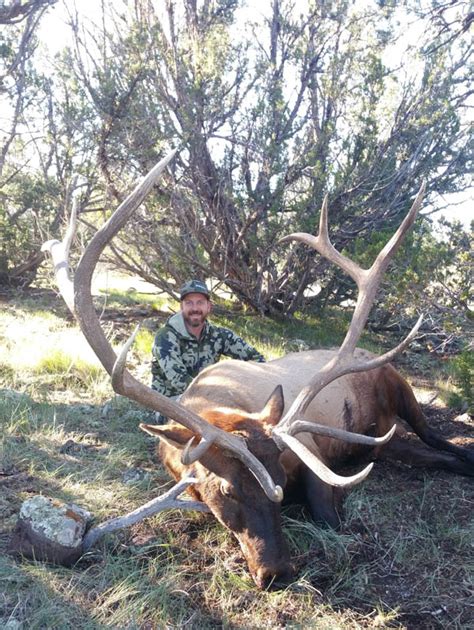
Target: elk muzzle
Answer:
[[268, 558]]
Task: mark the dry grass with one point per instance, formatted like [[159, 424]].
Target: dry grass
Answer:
[[403, 558]]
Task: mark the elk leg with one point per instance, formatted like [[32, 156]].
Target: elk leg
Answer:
[[407, 407], [411, 451], [464, 456], [323, 500]]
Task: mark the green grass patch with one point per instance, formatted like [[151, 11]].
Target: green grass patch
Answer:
[[69, 371], [130, 297], [455, 384], [276, 337], [461, 371], [144, 342]]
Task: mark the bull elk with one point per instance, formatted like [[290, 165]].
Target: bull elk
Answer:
[[246, 431]]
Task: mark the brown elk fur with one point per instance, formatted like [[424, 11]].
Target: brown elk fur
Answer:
[[237, 397]]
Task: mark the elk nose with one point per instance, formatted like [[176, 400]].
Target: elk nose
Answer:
[[266, 578]]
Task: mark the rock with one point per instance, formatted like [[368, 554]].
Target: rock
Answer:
[[49, 530]]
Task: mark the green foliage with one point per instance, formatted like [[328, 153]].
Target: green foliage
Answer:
[[301, 332], [131, 297], [271, 112], [272, 115], [431, 274], [46, 144], [144, 342], [28, 205], [461, 369]]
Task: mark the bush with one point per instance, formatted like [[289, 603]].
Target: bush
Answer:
[[461, 370]]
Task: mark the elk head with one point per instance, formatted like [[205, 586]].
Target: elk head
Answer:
[[230, 490]]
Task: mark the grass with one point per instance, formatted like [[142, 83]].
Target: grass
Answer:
[[459, 389], [68, 370], [283, 336], [131, 297], [401, 560]]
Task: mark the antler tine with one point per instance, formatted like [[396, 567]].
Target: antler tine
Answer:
[[123, 382], [191, 455], [71, 231], [59, 251], [303, 426], [322, 244], [285, 440], [371, 278], [119, 365]]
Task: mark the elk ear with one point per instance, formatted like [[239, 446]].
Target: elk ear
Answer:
[[273, 409], [172, 434]]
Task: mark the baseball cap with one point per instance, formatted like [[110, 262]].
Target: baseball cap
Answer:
[[193, 286]]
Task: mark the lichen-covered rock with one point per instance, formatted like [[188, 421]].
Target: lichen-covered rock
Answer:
[[49, 530]]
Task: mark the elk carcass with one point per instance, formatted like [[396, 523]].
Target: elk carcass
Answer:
[[233, 395], [248, 431]]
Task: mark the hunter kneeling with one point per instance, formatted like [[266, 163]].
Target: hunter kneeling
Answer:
[[188, 343]]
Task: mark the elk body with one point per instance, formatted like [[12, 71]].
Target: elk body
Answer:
[[262, 428], [245, 398]]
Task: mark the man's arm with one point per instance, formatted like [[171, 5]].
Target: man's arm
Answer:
[[237, 348], [170, 375]]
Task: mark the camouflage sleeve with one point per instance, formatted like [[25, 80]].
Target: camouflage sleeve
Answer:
[[167, 355], [237, 348]]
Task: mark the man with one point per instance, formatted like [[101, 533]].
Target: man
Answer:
[[188, 343]]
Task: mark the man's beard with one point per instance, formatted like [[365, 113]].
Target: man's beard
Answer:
[[194, 320]]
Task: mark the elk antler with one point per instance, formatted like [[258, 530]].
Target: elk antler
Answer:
[[367, 281], [167, 501], [79, 300]]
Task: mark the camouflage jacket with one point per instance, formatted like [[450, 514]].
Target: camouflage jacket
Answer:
[[178, 356]]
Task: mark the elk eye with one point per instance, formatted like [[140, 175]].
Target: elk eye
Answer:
[[226, 489]]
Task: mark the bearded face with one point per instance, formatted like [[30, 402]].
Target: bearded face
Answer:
[[195, 308]]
